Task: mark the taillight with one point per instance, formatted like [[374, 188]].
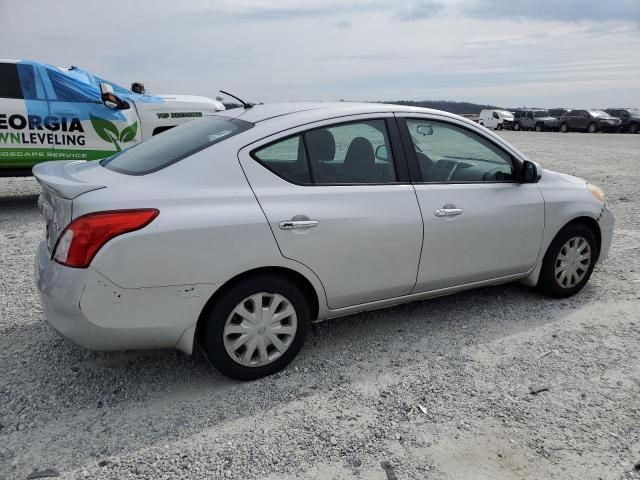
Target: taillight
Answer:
[[87, 234]]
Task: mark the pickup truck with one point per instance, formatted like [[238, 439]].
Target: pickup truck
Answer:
[[534, 119], [59, 113]]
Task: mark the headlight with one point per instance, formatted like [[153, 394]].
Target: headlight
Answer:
[[597, 192]]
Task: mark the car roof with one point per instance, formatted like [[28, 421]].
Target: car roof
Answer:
[[260, 113]]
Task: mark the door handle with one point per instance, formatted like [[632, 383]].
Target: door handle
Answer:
[[292, 224], [448, 211]]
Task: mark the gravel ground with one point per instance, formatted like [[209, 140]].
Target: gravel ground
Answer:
[[439, 389]]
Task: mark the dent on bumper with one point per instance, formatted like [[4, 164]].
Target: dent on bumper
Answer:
[[90, 311]]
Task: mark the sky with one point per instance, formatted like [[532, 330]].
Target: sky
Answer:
[[545, 53]]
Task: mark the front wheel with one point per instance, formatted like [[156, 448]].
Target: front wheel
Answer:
[[499, 126], [564, 128], [592, 128], [633, 128], [539, 127], [569, 261], [516, 127], [256, 328]]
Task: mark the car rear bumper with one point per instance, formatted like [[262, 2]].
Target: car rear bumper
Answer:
[[90, 311]]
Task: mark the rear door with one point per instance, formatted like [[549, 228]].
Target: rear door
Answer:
[[24, 110], [479, 223], [338, 200]]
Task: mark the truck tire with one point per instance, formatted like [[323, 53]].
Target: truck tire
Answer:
[[592, 127], [539, 127], [633, 128], [564, 128], [516, 126]]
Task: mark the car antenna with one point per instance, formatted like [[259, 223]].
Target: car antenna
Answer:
[[244, 104]]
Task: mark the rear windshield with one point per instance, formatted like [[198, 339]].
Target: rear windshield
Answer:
[[173, 145]]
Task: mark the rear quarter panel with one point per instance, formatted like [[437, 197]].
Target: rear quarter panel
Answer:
[[210, 227]]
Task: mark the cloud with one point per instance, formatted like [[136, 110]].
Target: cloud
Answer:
[[556, 10], [420, 10]]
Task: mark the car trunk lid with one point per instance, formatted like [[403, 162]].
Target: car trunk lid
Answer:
[[62, 182]]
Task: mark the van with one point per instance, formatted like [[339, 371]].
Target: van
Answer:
[[496, 119]]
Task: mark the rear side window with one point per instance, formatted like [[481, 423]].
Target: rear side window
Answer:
[[348, 153], [9, 81], [174, 145], [286, 158]]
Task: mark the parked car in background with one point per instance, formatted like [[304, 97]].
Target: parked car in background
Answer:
[[60, 113], [496, 119], [558, 112], [534, 119], [589, 121], [629, 118], [237, 230]]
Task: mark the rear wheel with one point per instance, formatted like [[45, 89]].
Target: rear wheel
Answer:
[[633, 128], [564, 128], [516, 126], [256, 328], [539, 127], [569, 261], [592, 128]]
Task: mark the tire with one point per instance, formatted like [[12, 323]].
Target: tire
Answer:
[[564, 128], [592, 127], [633, 128], [568, 243], [499, 126], [516, 126], [482, 124], [219, 338], [539, 127]]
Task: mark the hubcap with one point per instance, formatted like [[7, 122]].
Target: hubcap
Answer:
[[260, 329], [572, 262]]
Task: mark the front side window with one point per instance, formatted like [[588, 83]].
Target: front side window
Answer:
[[174, 145], [448, 153], [348, 153]]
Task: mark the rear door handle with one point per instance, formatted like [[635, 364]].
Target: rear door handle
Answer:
[[292, 224], [448, 211]]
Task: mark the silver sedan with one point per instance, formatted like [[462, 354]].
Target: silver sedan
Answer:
[[236, 231]]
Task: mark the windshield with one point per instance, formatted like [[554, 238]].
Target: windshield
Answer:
[[505, 114], [541, 113], [599, 113], [173, 145]]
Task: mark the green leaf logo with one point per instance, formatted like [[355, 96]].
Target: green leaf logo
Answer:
[[129, 133], [108, 132]]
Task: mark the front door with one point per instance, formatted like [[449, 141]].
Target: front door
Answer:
[[88, 129], [479, 223], [337, 203]]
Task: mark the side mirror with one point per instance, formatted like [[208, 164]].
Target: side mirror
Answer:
[[425, 130], [110, 99], [382, 153], [529, 172]]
